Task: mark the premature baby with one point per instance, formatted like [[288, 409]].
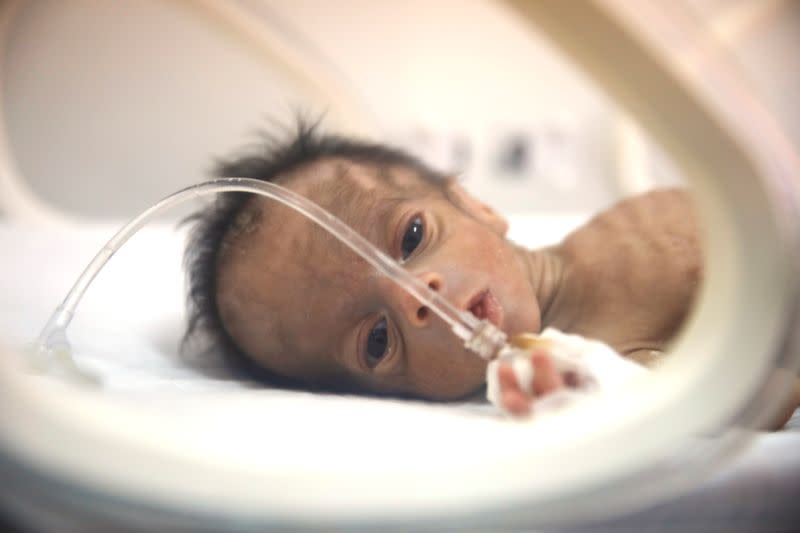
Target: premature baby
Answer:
[[295, 307]]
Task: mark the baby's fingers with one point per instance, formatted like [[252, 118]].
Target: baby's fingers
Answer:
[[517, 398], [514, 399], [546, 378]]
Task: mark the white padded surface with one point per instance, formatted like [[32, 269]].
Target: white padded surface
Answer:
[[127, 328]]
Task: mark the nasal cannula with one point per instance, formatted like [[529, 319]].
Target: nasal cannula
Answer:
[[479, 336]]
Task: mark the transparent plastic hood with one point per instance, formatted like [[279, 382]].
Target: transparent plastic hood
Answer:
[[197, 470]]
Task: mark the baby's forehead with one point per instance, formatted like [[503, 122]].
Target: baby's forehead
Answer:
[[362, 195], [291, 254], [328, 175]]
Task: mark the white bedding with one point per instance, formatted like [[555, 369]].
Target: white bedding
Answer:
[[128, 327]]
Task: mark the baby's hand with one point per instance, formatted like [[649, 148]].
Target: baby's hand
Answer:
[[517, 398], [548, 371]]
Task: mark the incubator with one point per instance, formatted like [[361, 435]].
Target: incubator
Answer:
[[76, 455]]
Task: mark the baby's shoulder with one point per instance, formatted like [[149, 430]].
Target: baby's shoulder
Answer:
[[653, 237], [667, 210]]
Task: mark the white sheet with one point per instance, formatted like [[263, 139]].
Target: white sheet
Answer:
[[128, 327]]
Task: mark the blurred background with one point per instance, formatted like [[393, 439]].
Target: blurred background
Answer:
[[108, 106]]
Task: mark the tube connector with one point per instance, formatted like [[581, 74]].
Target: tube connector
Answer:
[[486, 341]]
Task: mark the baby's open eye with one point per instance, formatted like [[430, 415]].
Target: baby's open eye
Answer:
[[377, 342], [412, 238]]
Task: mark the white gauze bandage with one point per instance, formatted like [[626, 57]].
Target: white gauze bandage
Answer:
[[593, 366]]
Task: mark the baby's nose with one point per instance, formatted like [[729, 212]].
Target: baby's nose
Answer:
[[416, 313]]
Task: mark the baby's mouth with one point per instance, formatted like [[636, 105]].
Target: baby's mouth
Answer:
[[485, 306]]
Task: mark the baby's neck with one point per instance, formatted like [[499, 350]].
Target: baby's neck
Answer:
[[546, 274]]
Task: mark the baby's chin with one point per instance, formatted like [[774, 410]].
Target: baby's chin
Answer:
[[525, 319]]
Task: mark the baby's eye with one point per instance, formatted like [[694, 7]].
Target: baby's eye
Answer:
[[412, 237], [377, 343]]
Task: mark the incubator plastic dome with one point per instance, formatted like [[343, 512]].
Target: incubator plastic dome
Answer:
[[210, 457]]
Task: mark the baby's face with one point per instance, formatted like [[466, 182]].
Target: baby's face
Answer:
[[302, 304]]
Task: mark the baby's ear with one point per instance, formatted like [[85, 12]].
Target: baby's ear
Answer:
[[479, 210]]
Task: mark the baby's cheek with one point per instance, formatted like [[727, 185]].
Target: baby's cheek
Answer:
[[445, 371]]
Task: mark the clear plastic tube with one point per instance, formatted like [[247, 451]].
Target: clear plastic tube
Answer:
[[479, 336]]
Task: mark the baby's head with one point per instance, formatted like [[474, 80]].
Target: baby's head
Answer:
[[277, 293]]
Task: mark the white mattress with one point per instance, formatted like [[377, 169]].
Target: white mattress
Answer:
[[127, 329]]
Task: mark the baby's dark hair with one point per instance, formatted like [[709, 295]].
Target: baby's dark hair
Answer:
[[274, 157]]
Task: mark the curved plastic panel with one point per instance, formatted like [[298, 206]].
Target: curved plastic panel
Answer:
[[241, 23], [562, 469]]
